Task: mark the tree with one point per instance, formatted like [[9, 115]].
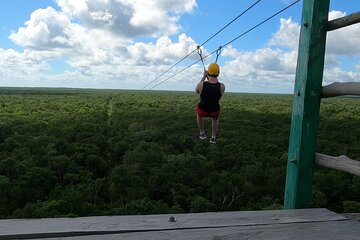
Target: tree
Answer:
[[200, 204], [35, 185], [5, 187]]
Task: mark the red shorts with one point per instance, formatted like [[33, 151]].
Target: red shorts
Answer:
[[201, 113]]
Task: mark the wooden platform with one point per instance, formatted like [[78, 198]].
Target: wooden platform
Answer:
[[278, 224]]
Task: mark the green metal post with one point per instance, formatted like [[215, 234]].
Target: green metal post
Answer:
[[306, 104]]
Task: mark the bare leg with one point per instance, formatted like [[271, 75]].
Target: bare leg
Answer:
[[214, 127], [200, 122]]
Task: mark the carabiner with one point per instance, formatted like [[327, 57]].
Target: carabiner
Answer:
[[201, 58], [218, 52], [200, 54], [199, 50]]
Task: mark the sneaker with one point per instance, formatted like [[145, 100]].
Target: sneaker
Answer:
[[212, 140], [202, 136]]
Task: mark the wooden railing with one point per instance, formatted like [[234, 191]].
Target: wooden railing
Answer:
[[341, 163], [307, 99], [344, 21], [341, 89]]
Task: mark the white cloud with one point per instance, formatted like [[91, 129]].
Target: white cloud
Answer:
[[164, 51], [336, 14], [129, 18], [344, 41], [261, 69], [10, 58], [175, 5], [20, 66], [95, 46], [266, 60], [342, 44], [230, 52], [48, 30], [336, 74], [100, 25], [94, 54], [74, 8], [287, 35], [96, 38], [45, 29], [274, 68]]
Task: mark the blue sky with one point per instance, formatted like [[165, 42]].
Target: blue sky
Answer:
[[126, 44]]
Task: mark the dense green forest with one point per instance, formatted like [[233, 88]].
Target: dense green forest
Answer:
[[68, 152]]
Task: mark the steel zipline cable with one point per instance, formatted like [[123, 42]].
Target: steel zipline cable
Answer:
[[261, 23], [206, 41], [231, 41], [238, 16]]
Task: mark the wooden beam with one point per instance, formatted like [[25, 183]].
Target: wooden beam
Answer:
[[306, 104], [299, 224], [339, 89], [342, 163], [344, 21]]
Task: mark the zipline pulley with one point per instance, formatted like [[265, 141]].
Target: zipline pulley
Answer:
[[200, 54], [202, 60], [218, 52]]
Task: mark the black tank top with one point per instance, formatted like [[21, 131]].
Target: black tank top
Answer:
[[210, 96]]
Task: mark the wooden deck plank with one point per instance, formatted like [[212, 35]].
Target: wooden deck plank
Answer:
[[344, 230], [61, 227]]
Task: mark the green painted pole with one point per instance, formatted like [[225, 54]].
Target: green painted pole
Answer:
[[306, 104]]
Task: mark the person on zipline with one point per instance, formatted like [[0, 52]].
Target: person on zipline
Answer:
[[210, 93]]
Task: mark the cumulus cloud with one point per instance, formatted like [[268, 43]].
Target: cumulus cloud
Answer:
[[231, 52], [49, 29], [94, 54], [287, 35], [132, 59], [102, 24], [16, 66], [97, 39], [46, 29], [129, 18], [275, 66], [344, 41], [336, 74], [164, 51], [261, 68], [272, 66]]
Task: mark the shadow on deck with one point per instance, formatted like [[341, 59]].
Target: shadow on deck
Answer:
[[299, 224]]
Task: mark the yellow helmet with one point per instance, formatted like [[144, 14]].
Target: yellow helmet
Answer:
[[214, 70]]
